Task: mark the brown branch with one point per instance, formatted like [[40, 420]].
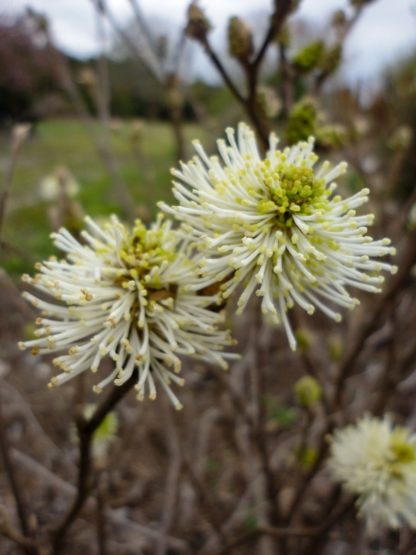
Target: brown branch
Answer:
[[172, 478], [236, 398], [323, 75], [8, 531], [287, 76], [134, 50], [309, 476], [101, 514], [210, 510], [319, 540], [103, 90], [117, 519], [251, 69], [249, 103], [258, 429], [277, 19], [370, 324], [142, 23], [269, 531], [222, 71], [86, 430], [21, 510]]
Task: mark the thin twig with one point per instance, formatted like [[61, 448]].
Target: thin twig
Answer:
[[101, 515], [142, 23], [9, 469], [137, 53], [222, 71], [316, 545], [269, 531], [347, 364], [8, 531], [277, 19], [86, 430], [171, 489], [210, 510], [117, 517], [258, 431], [103, 90], [287, 86]]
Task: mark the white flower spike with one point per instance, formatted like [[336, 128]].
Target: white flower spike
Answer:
[[275, 226], [377, 462], [134, 295]]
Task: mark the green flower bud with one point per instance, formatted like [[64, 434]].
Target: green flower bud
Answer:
[[307, 391], [339, 18], [331, 59], [411, 219], [401, 138], [335, 348], [306, 456], [304, 339], [198, 24], [240, 39], [302, 120], [331, 136], [309, 57]]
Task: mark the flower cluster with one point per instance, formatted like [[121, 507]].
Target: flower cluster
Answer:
[[377, 462], [272, 226], [134, 295], [275, 226]]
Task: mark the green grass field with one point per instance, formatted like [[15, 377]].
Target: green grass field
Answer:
[[144, 166]]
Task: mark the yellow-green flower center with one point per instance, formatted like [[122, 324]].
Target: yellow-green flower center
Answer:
[[143, 254], [292, 189], [402, 451]]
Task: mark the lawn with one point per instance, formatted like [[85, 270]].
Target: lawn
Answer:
[[143, 163]]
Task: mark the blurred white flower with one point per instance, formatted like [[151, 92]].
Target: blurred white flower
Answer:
[[275, 226], [411, 221], [376, 461], [134, 295], [60, 182]]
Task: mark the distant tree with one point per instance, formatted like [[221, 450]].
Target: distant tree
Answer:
[[28, 70]]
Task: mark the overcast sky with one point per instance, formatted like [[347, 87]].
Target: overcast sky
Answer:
[[386, 30]]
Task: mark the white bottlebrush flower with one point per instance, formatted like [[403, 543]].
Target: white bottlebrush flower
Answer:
[[274, 225], [134, 295], [376, 461]]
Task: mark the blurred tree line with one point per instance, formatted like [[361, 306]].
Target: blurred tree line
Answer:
[[32, 88], [31, 85]]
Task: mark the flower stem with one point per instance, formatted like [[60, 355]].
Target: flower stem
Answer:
[[86, 430]]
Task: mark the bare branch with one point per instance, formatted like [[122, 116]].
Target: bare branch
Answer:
[[86, 430], [21, 510]]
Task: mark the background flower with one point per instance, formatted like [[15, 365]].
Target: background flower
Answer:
[[377, 462]]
